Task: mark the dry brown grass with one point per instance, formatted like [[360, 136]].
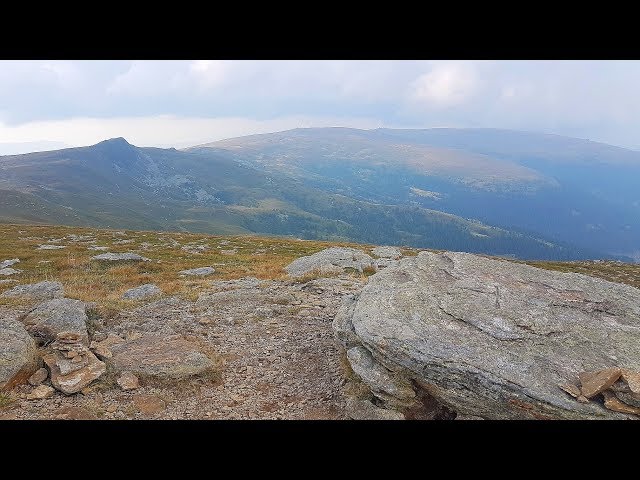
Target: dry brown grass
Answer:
[[104, 282]]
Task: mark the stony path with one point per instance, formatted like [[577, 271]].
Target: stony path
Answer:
[[279, 357]]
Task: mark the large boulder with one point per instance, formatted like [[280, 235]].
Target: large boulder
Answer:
[[331, 260], [163, 357], [393, 253], [36, 291], [488, 337], [18, 354], [49, 318]]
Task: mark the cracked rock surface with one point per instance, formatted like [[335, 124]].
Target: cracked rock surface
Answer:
[[492, 338]]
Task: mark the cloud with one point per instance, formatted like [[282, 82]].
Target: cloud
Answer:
[[445, 85], [599, 100]]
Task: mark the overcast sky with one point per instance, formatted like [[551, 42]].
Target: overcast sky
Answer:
[[50, 104]]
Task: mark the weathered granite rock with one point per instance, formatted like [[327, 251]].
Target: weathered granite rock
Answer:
[[5, 272], [198, 272], [120, 257], [18, 354], [393, 253], [331, 260], [71, 363], [37, 291], [143, 291], [41, 392], [51, 247], [38, 377], [365, 410], [493, 338], [55, 316], [8, 263], [342, 326], [128, 381], [163, 357], [393, 389]]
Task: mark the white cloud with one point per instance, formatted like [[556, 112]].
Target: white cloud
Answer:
[[446, 85]]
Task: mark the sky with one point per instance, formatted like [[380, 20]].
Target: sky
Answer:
[[53, 104]]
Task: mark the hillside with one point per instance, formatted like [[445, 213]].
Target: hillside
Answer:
[[564, 189], [242, 341], [117, 185]]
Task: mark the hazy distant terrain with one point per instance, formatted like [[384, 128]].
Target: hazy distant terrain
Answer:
[[384, 187], [567, 189]]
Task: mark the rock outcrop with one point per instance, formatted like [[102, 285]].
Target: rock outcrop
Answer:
[[18, 354], [393, 253], [198, 272], [143, 291], [36, 291], [491, 338], [8, 263], [49, 318], [71, 363], [5, 272], [120, 257], [332, 260], [171, 357]]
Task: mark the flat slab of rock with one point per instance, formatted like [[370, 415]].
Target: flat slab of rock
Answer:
[[18, 354], [393, 253], [37, 291], [143, 291], [162, 357], [594, 383], [493, 338], [120, 257], [51, 247], [8, 263], [5, 272], [52, 317], [41, 392], [331, 260], [198, 272]]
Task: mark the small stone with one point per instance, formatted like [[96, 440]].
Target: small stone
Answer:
[[71, 354], [632, 378], [128, 381], [583, 399], [40, 393], [111, 408], [594, 383], [38, 377], [102, 352], [612, 403], [199, 272], [77, 359]]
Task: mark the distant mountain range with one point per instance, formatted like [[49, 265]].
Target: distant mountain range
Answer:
[[485, 191]]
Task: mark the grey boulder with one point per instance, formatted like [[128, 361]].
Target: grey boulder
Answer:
[[18, 354], [55, 316], [37, 291], [198, 272], [332, 260], [487, 337], [8, 263]]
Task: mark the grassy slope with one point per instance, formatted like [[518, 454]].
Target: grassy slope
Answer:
[[259, 256]]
